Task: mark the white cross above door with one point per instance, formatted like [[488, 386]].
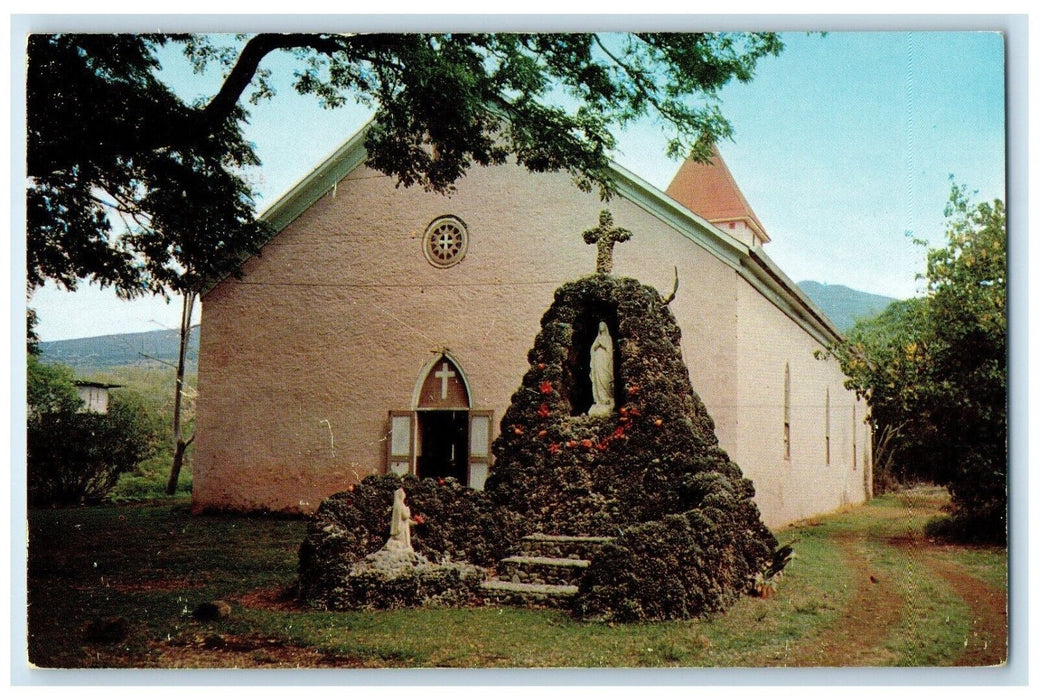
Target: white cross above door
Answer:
[[444, 374]]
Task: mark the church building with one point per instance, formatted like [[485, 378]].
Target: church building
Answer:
[[384, 329]]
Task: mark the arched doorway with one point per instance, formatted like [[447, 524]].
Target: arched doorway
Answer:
[[442, 408], [442, 435]]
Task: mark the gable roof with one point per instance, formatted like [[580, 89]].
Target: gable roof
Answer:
[[750, 263], [710, 190]]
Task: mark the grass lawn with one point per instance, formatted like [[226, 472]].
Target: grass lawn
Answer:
[[866, 588]]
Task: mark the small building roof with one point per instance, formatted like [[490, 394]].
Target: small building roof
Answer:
[[710, 190], [99, 385]]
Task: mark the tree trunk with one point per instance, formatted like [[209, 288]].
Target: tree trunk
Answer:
[[180, 444]]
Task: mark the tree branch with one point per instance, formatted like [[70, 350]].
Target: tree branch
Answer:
[[257, 48], [157, 359], [179, 129], [636, 76]]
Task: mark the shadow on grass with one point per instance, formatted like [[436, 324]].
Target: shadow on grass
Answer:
[[153, 564]]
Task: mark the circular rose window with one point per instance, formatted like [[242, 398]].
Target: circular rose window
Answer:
[[445, 242]]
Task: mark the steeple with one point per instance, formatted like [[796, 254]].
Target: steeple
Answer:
[[708, 189]]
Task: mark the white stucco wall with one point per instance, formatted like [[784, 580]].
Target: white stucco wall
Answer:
[[803, 484], [302, 359]]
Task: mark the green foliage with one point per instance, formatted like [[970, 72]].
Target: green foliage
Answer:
[[76, 457], [32, 338], [934, 370], [968, 360], [154, 385], [460, 524], [444, 102], [50, 388], [108, 142], [133, 188], [884, 359], [147, 482]]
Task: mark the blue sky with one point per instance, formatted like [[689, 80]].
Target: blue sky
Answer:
[[844, 146]]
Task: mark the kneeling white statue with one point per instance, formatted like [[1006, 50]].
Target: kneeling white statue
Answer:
[[400, 525]]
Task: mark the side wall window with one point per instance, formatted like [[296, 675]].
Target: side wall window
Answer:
[[786, 411], [854, 439], [826, 423]]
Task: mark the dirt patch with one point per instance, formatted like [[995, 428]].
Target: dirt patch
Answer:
[[856, 637], [242, 651], [280, 598], [908, 541], [158, 585]]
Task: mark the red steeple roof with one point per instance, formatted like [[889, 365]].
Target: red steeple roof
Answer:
[[708, 189]]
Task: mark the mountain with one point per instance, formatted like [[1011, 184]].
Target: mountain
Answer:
[[843, 305], [151, 348]]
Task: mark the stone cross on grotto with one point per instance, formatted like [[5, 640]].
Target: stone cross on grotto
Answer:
[[604, 236]]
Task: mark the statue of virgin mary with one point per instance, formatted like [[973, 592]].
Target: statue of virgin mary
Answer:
[[601, 373]]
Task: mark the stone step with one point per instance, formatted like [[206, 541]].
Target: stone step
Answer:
[[542, 570], [545, 573], [562, 546], [527, 594]]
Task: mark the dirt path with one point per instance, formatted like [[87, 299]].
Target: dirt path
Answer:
[[986, 643], [855, 638]]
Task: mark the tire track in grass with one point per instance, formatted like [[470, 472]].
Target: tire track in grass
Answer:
[[986, 642], [856, 637]]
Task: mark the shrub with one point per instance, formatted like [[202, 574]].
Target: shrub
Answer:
[[50, 388], [77, 458], [460, 524], [935, 372], [979, 495], [977, 525]]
